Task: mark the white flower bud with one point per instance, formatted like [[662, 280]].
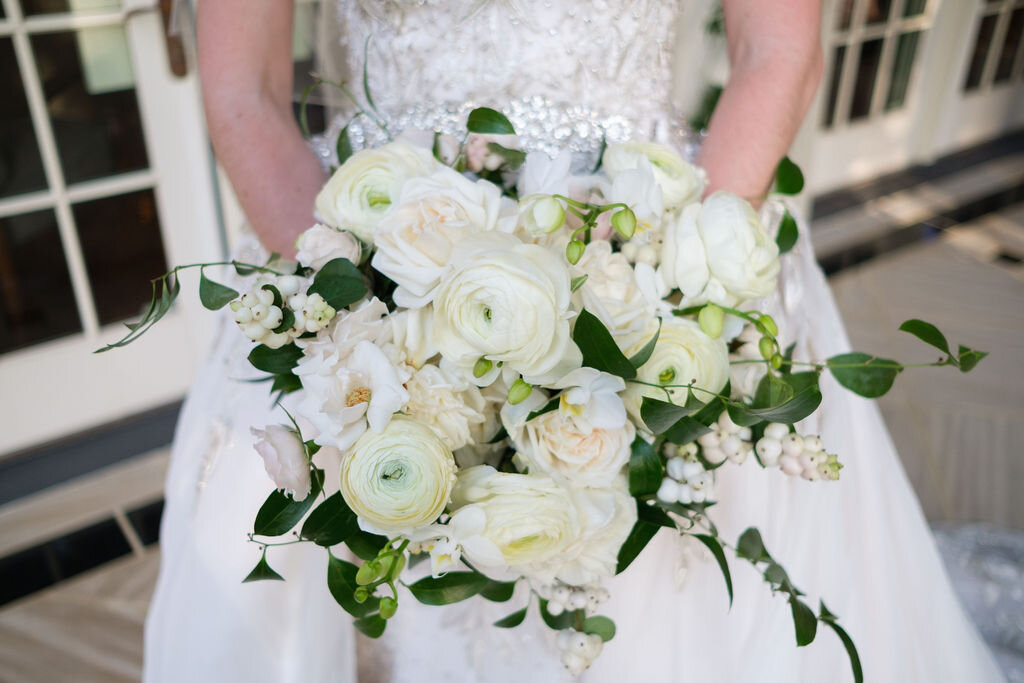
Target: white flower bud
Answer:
[[790, 465], [776, 430], [674, 467], [792, 444], [769, 450], [668, 492]]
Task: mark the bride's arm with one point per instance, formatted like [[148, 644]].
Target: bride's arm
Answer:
[[776, 64], [245, 66]]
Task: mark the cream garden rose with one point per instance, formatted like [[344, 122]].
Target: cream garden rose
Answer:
[[398, 480], [683, 354], [507, 302], [611, 293], [321, 243], [607, 515], [681, 182], [719, 251], [364, 189], [284, 458]]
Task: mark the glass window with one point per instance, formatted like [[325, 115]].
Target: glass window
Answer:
[[878, 11], [90, 94], [867, 73], [123, 251], [980, 52], [21, 167], [845, 15], [61, 6], [1011, 46], [833, 84], [902, 67], [37, 302], [912, 8]]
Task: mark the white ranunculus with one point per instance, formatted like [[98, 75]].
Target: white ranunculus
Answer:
[[681, 182], [683, 354], [322, 243], [398, 480], [432, 215], [720, 252], [611, 293], [450, 411], [364, 189], [529, 517], [284, 459], [608, 516], [507, 302]]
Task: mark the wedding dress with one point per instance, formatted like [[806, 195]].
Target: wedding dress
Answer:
[[568, 74]]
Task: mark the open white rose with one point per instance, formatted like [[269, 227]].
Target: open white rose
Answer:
[[451, 411], [321, 243], [683, 354], [611, 293], [680, 181], [432, 215], [363, 190], [720, 252], [398, 480], [284, 458], [507, 302]]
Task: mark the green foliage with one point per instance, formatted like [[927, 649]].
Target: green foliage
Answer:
[[772, 391], [159, 304], [802, 404], [372, 626], [686, 430], [830, 620], [788, 233], [278, 361], [341, 581], [863, 374], [562, 621], [513, 158], [262, 571], [715, 547], [599, 348], [927, 333], [280, 512], [804, 622], [601, 626], [645, 468], [365, 545], [489, 121], [498, 591], [659, 415], [644, 354], [214, 295], [344, 146], [339, 282], [969, 358], [641, 534], [331, 523], [512, 620], [789, 179], [452, 587]]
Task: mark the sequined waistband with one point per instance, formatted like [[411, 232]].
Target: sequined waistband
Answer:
[[541, 124]]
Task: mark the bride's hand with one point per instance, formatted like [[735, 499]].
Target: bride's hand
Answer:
[[776, 63], [245, 66]]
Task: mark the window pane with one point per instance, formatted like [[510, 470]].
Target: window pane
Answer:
[[914, 7], [902, 66], [123, 251], [90, 93], [21, 167], [56, 6], [980, 52], [833, 84], [878, 11], [37, 302], [1011, 46], [845, 15], [867, 72]]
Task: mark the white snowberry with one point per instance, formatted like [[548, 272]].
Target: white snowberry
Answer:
[[769, 450], [776, 430]]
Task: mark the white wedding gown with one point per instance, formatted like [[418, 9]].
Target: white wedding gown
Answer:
[[568, 73]]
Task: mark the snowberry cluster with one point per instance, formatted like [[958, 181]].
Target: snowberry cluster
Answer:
[[726, 440], [562, 597], [261, 313], [687, 481], [796, 455], [579, 650]]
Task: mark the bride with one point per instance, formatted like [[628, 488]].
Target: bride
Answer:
[[568, 73]]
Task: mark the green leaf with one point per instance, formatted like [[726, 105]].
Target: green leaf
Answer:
[[800, 381], [512, 620], [243, 269], [286, 384], [969, 358], [514, 158], [829, 620], [787, 356], [262, 571], [661, 415], [795, 409], [788, 233], [280, 512], [862, 374], [652, 514], [365, 545], [776, 575], [548, 407], [275, 361], [287, 320], [637, 540], [214, 295], [686, 431], [645, 468], [498, 591], [599, 348], [562, 621], [303, 105], [600, 626], [489, 121], [344, 146], [341, 581], [772, 392], [339, 282], [331, 523], [789, 179], [644, 354], [577, 282], [751, 547], [372, 626], [715, 547], [927, 333], [366, 73], [804, 621], [452, 587]]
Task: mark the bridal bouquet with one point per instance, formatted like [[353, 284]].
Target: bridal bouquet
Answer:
[[518, 373]]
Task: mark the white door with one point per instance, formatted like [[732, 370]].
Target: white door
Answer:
[[105, 181]]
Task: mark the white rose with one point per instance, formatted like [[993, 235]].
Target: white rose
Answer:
[[507, 302], [608, 516], [720, 252], [321, 244], [284, 459], [415, 240], [611, 293], [398, 480], [681, 182], [450, 411], [683, 354], [363, 190], [529, 517], [410, 332]]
